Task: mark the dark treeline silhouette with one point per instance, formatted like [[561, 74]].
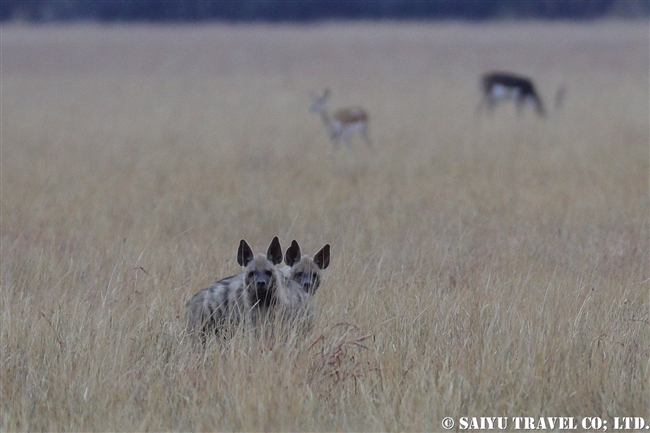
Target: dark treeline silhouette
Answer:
[[312, 10]]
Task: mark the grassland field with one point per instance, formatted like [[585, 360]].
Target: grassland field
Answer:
[[482, 265]]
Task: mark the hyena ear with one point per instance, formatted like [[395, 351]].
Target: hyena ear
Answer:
[[293, 253], [274, 253], [322, 258], [244, 253]]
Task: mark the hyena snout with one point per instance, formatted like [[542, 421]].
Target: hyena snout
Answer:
[[308, 281], [261, 280]]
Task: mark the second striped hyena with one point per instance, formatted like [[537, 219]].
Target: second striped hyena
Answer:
[[246, 298], [302, 270]]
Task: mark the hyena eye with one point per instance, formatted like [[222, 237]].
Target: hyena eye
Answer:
[[299, 275], [251, 274], [268, 273]]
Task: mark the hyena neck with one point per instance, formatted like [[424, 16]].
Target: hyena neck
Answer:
[[264, 298]]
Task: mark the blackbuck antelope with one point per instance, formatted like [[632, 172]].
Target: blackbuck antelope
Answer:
[[248, 297], [302, 269], [502, 86], [343, 123]]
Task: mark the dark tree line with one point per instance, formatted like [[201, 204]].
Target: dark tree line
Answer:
[[312, 10]]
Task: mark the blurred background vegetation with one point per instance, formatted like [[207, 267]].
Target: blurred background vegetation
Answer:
[[313, 10]]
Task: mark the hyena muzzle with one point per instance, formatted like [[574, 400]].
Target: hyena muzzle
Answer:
[[240, 298]]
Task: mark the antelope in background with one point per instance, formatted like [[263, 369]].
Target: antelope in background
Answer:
[[502, 86], [343, 123]]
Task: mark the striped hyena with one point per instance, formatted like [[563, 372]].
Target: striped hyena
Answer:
[[248, 297], [304, 271]]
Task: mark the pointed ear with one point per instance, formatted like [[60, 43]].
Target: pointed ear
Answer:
[[293, 254], [322, 258], [244, 253], [274, 253]]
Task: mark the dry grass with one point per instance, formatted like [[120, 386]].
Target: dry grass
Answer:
[[481, 266]]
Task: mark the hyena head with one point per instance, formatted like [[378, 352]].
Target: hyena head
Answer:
[[261, 280], [304, 270]]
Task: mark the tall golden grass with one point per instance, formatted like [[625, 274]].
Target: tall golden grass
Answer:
[[481, 265]]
